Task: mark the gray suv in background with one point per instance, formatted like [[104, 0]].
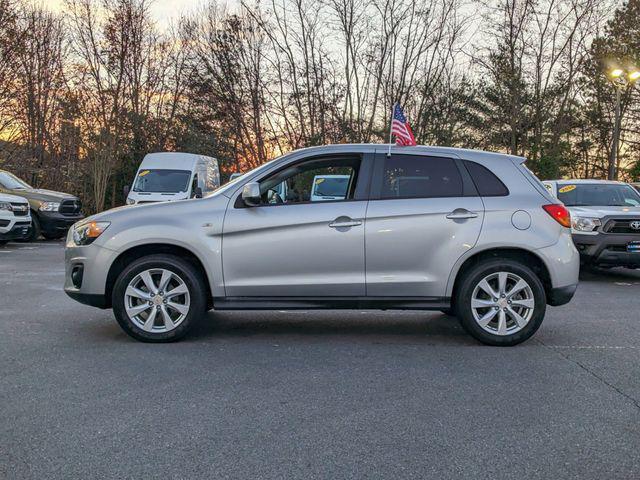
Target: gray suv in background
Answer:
[[471, 233]]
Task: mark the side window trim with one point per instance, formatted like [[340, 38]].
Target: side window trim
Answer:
[[363, 180], [468, 187]]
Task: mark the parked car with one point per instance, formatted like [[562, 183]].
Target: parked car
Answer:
[[52, 213], [605, 220], [170, 176], [15, 220], [478, 235]]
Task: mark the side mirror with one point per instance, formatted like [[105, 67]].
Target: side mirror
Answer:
[[198, 192], [125, 191], [251, 194]]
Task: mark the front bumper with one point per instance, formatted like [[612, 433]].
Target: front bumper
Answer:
[[607, 249], [55, 222], [94, 263], [19, 231]]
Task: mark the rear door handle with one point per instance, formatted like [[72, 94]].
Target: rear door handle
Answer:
[[461, 214], [344, 222]]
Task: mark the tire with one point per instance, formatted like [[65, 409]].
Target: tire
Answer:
[[3, 242], [522, 308], [34, 231], [137, 322]]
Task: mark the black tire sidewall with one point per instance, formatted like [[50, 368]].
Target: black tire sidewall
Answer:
[[184, 270], [474, 276], [34, 231]]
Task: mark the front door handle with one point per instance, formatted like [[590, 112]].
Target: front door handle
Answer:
[[344, 222], [461, 214]]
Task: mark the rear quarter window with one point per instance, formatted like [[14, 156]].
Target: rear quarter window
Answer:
[[487, 184]]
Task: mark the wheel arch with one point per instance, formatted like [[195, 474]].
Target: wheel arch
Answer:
[[143, 250], [527, 257]]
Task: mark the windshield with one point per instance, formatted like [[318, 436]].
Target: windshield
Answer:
[[162, 181], [11, 182], [598, 195], [331, 186]]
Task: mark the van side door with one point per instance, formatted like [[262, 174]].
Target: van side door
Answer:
[[423, 215]]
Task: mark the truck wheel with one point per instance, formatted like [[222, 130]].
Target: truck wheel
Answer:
[[501, 302], [159, 298], [34, 231]]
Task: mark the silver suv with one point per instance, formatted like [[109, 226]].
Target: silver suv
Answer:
[[470, 233]]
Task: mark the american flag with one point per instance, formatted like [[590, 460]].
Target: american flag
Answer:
[[401, 129]]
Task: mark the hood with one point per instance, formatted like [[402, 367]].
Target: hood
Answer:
[[600, 212], [157, 209], [38, 195], [5, 197]]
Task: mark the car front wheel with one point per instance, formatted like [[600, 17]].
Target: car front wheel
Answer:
[[501, 302], [159, 298]]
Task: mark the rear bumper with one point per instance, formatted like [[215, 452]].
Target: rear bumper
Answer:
[[561, 295], [607, 249], [55, 222]]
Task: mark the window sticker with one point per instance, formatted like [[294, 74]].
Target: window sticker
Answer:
[[143, 173], [319, 181], [567, 189]]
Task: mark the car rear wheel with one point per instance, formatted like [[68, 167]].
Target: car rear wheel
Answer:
[[159, 298], [501, 302]]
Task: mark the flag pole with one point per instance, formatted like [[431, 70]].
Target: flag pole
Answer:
[[391, 128]]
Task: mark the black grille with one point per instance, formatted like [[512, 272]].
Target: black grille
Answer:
[[70, 207], [20, 209], [619, 225]]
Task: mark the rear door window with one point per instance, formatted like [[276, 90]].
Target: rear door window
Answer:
[[419, 176]]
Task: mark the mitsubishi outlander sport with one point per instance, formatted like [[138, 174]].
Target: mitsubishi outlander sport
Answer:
[[471, 233]]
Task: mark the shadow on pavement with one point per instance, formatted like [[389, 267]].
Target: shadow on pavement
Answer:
[[609, 275], [433, 328]]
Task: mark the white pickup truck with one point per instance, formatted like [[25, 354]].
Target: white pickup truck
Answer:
[[15, 219]]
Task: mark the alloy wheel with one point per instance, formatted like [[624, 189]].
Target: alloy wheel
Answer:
[[157, 300], [502, 303]]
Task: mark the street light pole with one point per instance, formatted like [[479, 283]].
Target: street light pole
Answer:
[[613, 155], [619, 80]]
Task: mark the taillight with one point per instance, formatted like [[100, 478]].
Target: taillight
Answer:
[[559, 213]]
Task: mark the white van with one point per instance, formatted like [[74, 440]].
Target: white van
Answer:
[[170, 176]]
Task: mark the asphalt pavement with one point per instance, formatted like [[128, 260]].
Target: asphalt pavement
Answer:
[[314, 395]]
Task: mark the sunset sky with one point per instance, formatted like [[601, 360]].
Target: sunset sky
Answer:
[[163, 10]]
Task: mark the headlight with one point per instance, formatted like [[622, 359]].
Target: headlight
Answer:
[[585, 224], [5, 206], [130, 201], [49, 206], [86, 233]]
